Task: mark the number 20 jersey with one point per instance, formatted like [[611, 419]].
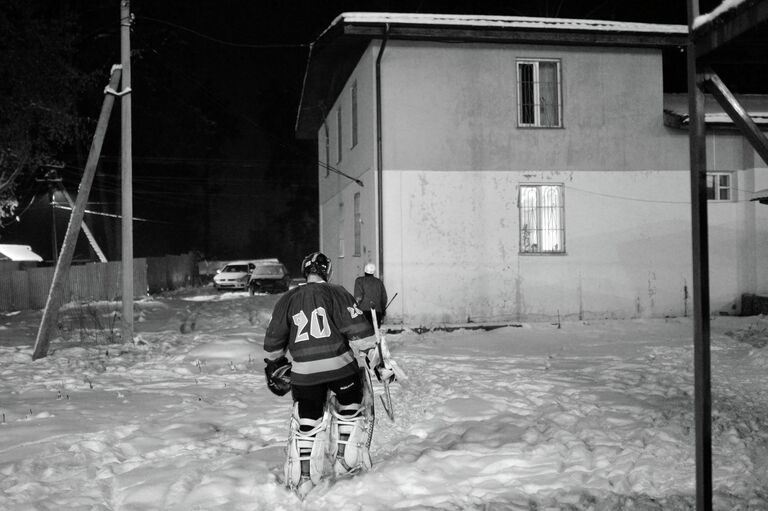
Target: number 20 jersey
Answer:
[[315, 322]]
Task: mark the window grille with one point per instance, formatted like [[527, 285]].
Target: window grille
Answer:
[[538, 93], [542, 219]]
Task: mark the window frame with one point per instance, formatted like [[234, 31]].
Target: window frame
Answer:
[[340, 220], [717, 188], [536, 84], [523, 231], [339, 135], [353, 94], [358, 225], [327, 150]]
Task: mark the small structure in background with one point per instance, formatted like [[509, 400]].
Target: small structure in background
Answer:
[[17, 257]]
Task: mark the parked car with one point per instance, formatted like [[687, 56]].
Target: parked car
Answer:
[[234, 275], [269, 276]]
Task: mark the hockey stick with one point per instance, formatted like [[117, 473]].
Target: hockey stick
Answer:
[[368, 402], [386, 403], [390, 302]]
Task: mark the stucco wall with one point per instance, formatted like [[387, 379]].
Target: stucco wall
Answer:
[[628, 248], [453, 107], [336, 192], [454, 159]]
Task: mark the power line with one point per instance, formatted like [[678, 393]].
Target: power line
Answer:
[[260, 46], [217, 101], [99, 213]]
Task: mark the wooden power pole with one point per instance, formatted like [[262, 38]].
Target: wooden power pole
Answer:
[[126, 162], [56, 291]]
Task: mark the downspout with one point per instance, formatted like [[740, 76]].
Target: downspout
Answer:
[[379, 156]]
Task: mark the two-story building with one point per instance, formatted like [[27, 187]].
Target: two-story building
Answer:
[[514, 169]]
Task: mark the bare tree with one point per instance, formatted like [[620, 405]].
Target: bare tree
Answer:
[[39, 90]]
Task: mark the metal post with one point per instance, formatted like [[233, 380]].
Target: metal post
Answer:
[[700, 246], [127, 171]]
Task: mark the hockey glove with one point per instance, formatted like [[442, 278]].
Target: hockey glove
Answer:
[[278, 373]]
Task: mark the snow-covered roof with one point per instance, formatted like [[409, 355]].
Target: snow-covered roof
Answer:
[[338, 48], [760, 196], [723, 119], [676, 110], [737, 28], [725, 5], [18, 253], [760, 118], [490, 21]]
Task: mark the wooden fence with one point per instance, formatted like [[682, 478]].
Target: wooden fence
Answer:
[[28, 289], [171, 272]]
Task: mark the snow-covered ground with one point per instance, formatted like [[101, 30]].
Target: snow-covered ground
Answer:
[[585, 416]]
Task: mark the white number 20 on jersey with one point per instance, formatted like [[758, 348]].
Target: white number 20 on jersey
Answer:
[[318, 325]]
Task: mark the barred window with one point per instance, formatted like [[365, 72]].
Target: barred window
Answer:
[[538, 94], [542, 219], [719, 186]]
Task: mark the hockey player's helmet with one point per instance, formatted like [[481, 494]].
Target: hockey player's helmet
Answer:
[[317, 263], [370, 268]]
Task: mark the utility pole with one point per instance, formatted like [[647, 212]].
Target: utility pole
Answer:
[[54, 235], [53, 180], [702, 403], [126, 164], [88, 234], [56, 292]]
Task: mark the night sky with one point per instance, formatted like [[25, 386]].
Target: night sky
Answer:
[[216, 87]]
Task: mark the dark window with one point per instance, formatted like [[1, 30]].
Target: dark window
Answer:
[[538, 93]]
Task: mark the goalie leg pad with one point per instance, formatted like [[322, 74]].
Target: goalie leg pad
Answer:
[[349, 439], [307, 458]]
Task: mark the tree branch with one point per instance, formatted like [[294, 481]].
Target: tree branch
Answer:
[[7, 179]]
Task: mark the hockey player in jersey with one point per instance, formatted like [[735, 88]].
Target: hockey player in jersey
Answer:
[[314, 323]]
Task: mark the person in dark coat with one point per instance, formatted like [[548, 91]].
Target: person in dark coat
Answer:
[[371, 294]]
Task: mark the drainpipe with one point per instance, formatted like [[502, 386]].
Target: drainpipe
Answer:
[[379, 157]]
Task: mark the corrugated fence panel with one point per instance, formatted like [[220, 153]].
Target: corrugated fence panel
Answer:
[[39, 280], [20, 290], [157, 274], [113, 282], [171, 272], [96, 282], [6, 292], [9, 266], [140, 287], [28, 289], [102, 269], [78, 289], [179, 270]]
